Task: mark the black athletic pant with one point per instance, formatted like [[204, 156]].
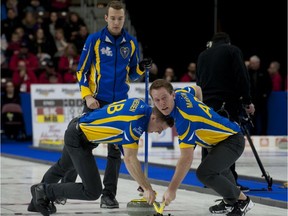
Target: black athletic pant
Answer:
[[60, 171], [204, 153], [214, 170], [231, 111], [65, 173], [77, 154], [111, 175]]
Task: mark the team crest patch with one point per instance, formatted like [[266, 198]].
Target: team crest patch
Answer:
[[124, 52]]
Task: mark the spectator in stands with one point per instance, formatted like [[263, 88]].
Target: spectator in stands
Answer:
[[80, 38], [22, 35], [10, 94], [50, 75], [35, 7], [13, 46], [275, 76], [73, 26], [10, 24], [4, 56], [224, 79], [6, 5], [190, 75], [60, 41], [60, 5], [54, 23], [29, 23], [247, 63], [261, 87], [169, 75], [42, 47], [70, 75], [41, 22], [70, 56], [24, 54], [23, 77]]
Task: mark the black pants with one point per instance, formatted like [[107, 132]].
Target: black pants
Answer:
[[232, 110], [77, 154], [65, 171], [113, 163], [204, 153], [214, 170]]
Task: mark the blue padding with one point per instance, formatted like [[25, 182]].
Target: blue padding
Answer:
[[27, 112], [162, 144], [277, 113]]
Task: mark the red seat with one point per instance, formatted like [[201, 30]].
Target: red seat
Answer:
[[12, 120], [12, 107]]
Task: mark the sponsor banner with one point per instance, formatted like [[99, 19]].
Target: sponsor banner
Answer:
[[53, 106], [268, 142], [261, 143]]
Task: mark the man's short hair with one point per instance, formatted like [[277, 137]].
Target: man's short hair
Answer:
[[221, 36], [115, 4]]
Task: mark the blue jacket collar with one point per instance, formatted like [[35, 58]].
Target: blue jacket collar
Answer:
[[107, 37]]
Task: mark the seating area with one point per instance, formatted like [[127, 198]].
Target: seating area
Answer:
[[13, 122]]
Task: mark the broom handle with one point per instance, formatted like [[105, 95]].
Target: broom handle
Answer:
[[146, 133]]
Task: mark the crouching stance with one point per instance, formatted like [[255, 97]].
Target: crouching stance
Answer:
[[198, 124], [120, 123]]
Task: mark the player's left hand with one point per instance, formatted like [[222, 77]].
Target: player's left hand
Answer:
[[250, 109]]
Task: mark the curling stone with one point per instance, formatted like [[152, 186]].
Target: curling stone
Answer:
[[140, 207]]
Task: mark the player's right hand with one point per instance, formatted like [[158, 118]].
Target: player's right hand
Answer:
[[91, 102], [150, 196], [169, 196], [146, 63]]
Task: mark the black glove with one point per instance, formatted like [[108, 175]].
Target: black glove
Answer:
[[140, 189], [146, 63]]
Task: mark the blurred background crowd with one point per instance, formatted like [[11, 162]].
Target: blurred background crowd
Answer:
[[41, 42]]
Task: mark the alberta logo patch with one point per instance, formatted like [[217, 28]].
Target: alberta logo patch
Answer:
[[124, 52]]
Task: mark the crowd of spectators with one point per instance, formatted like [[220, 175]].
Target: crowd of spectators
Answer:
[[41, 42]]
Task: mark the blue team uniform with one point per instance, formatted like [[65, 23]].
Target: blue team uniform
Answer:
[[121, 123], [106, 65], [198, 124]]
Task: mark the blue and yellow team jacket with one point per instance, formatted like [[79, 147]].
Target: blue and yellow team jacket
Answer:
[[198, 124], [120, 123], [106, 64]]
